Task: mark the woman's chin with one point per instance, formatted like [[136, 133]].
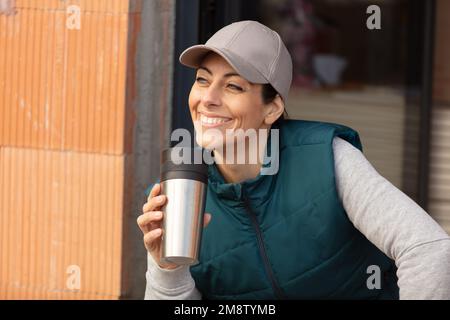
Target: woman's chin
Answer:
[[208, 143]]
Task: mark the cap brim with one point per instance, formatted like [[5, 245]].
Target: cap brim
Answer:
[[193, 57]]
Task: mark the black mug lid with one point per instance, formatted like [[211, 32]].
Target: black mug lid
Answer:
[[183, 163]]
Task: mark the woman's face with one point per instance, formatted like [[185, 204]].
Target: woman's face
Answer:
[[220, 99]]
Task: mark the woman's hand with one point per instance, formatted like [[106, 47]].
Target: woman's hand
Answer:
[[150, 224]]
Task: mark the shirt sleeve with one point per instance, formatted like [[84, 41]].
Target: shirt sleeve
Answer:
[[395, 224], [173, 284]]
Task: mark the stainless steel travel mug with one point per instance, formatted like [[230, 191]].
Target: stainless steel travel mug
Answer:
[[185, 186]]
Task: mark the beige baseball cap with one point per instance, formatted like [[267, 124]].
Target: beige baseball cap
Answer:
[[255, 51]]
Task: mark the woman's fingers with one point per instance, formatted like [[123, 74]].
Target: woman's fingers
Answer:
[[144, 220], [156, 189], [154, 203], [151, 236], [206, 219]]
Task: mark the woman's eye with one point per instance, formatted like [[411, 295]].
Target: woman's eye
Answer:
[[200, 80], [235, 87]]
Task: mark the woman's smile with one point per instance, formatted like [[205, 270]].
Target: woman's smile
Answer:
[[213, 121]]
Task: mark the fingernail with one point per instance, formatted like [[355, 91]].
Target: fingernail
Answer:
[[158, 214], [160, 198]]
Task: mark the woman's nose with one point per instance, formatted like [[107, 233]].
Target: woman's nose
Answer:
[[211, 96]]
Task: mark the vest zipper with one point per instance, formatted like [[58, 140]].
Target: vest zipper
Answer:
[[262, 250]]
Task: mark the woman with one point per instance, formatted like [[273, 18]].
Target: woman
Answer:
[[326, 225]]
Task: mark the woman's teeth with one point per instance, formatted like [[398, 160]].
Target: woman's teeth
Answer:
[[208, 120]]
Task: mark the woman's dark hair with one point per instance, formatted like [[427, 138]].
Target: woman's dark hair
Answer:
[[268, 94]]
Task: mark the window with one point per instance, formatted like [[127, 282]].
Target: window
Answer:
[[366, 79]]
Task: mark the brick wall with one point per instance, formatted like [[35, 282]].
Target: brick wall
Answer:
[[67, 99]]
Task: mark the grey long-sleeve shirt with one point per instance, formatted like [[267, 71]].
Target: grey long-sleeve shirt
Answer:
[[384, 214]]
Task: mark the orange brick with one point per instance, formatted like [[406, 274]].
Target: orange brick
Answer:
[[60, 209], [66, 89]]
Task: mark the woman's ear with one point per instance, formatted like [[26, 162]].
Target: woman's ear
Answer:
[[274, 110]]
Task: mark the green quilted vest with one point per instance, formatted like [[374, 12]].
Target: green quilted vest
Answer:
[[287, 236]]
